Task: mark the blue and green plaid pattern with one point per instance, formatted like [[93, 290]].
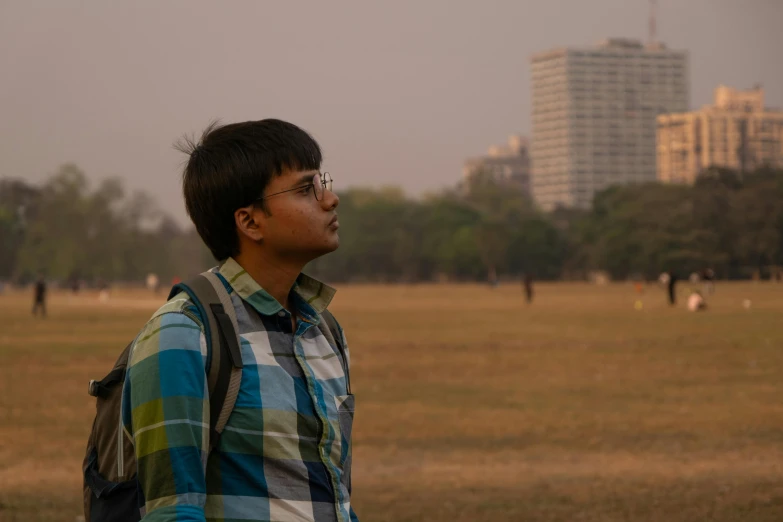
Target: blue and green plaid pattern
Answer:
[[285, 454]]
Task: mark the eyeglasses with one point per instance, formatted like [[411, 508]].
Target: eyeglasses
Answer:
[[322, 181]]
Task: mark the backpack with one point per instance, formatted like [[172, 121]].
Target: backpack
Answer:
[[111, 491]]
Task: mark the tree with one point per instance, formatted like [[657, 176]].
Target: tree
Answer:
[[19, 203], [67, 228]]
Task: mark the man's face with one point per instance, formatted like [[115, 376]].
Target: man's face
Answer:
[[297, 225]]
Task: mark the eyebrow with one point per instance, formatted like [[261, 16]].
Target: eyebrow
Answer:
[[304, 178]]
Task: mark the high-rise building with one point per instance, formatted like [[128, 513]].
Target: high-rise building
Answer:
[[507, 164], [736, 132], [594, 116]]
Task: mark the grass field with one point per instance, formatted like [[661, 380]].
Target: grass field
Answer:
[[471, 405]]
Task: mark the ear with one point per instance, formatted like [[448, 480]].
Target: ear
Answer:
[[250, 222]]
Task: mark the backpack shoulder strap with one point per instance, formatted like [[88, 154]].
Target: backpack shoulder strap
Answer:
[[331, 331], [224, 359]]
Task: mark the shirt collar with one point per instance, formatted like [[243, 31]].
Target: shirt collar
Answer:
[[313, 292]]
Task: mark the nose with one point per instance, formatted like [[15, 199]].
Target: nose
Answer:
[[330, 200]]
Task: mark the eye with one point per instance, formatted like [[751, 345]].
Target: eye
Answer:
[[305, 189]]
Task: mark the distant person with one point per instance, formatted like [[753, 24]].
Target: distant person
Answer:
[[527, 283], [39, 302], [74, 283], [153, 283], [671, 285], [696, 302], [492, 278], [708, 276], [103, 290], [260, 202]]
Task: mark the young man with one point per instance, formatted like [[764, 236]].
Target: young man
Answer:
[[256, 195]]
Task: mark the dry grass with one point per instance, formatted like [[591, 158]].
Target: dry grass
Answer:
[[472, 405]]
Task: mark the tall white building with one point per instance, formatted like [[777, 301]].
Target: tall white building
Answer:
[[594, 116]]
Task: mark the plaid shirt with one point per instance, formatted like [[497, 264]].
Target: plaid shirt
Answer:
[[285, 454]]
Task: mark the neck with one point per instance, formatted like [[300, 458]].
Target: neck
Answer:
[[274, 275]]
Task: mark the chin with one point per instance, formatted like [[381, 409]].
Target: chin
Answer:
[[333, 244], [327, 247]]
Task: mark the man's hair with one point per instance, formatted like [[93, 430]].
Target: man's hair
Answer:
[[231, 166]]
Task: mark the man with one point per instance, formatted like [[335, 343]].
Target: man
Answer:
[[527, 283], [256, 195], [708, 276], [671, 284], [39, 300]]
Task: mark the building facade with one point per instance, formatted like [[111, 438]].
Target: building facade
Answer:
[[594, 116], [737, 132], [507, 164]]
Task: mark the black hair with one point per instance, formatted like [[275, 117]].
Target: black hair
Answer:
[[231, 166]]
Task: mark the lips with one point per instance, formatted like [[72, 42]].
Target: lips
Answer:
[[334, 224]]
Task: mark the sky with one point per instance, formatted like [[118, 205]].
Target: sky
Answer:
[[397, 92]]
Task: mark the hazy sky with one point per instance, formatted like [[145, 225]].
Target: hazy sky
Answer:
[[396, 92]]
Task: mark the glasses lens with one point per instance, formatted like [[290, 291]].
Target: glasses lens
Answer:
[[318, 187], [321, 182]]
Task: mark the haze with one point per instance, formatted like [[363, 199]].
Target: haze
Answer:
[[397, 94]]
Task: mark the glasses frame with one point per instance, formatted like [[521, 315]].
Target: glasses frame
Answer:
[[325, 180]]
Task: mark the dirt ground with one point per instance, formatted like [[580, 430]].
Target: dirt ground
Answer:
[[471, 404]]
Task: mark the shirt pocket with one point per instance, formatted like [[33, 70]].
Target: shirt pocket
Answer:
[[345, 408]]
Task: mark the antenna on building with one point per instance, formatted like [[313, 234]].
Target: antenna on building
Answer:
[[653, 22]]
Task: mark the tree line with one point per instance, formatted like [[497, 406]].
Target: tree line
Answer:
[[66, 230], [480, 230]]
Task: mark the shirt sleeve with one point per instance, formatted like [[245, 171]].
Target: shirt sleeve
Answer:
[[166, 411], [354, 517]]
